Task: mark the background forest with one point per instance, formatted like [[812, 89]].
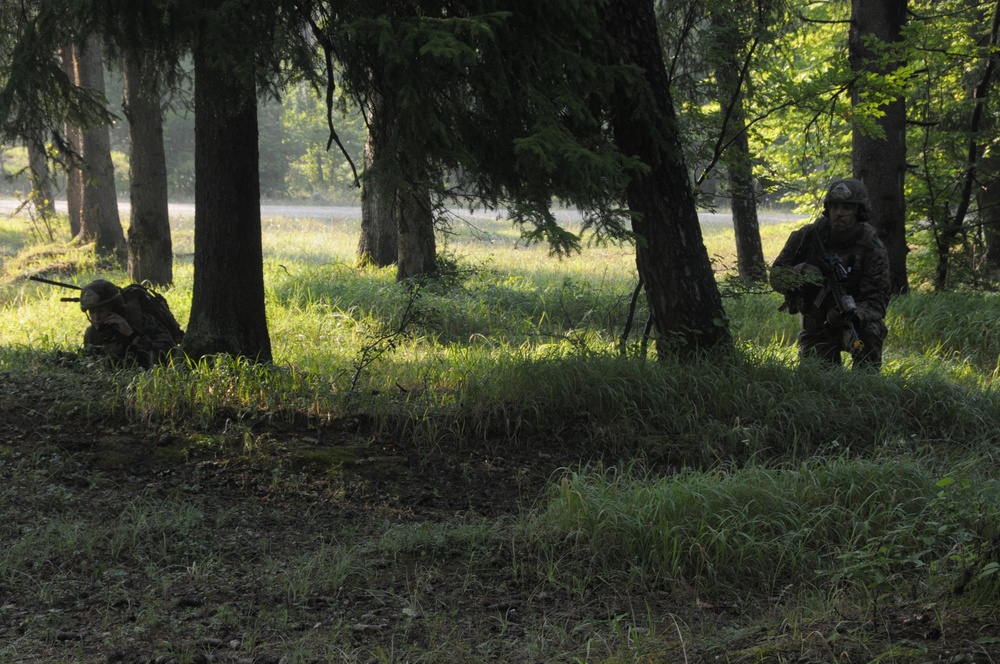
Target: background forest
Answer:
[[797, 102], [295, 164]]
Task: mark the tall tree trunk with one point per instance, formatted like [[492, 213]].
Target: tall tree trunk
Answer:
[[378, 242], [227, 307], [954, 226], [74, 186], [417, 248], [989, 208], [74, 174], [41, 181], [150, 252], [671, 257], [739, 165], [397, 218], [881, 162], [100, 222]]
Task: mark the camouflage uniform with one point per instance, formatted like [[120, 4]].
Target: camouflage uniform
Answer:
[[149, 343], [867, 263]]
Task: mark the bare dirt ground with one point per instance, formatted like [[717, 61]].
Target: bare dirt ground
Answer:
[[226, 590]]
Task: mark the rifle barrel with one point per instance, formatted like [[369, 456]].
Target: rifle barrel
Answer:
[[54, 283]]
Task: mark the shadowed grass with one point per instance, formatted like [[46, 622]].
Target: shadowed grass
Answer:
[[691, 414], [755, 530], [957, 328]]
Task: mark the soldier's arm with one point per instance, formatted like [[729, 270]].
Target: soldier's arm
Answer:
[[873, 295], [790, 272]]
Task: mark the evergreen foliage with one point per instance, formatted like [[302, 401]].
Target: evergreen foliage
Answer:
[[36, 97], [505, 97]]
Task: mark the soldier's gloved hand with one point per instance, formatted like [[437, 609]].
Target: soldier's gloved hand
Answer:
[[836, 319], [119, 323]]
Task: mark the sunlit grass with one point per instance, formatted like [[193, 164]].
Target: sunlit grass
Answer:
[[507, 316]]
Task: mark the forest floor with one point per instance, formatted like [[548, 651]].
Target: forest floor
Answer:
[[243, 580]]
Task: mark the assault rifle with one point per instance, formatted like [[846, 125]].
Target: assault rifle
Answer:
[[834, 274], [61, 284]]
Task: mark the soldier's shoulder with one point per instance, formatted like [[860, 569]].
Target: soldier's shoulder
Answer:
[[816, 224], [869, 237]]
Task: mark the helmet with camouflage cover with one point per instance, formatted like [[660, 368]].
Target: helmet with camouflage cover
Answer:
[[99, 293], [848, 190]]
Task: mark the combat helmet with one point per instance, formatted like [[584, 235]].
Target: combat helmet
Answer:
[[99, 293], [848, 190]]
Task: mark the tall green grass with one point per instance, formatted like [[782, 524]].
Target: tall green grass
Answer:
[[757, 530], [512, 342], [752, 406]]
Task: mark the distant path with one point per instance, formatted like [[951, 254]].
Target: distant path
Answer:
[[330, 212]]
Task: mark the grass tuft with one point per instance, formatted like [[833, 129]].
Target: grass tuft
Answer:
[[757, 529]]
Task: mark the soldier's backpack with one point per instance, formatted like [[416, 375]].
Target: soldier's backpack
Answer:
[[152, 303]]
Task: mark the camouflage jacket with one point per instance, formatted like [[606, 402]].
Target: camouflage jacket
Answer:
[[864, 257], [152, 343]]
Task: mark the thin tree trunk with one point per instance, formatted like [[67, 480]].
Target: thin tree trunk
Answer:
[[74, 174], [150, 252], [739, 165], [41, 181], [378, 243], [227, 307], [100, 222], [881, 162], [945, 237], [671, 257], [74, 187]]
